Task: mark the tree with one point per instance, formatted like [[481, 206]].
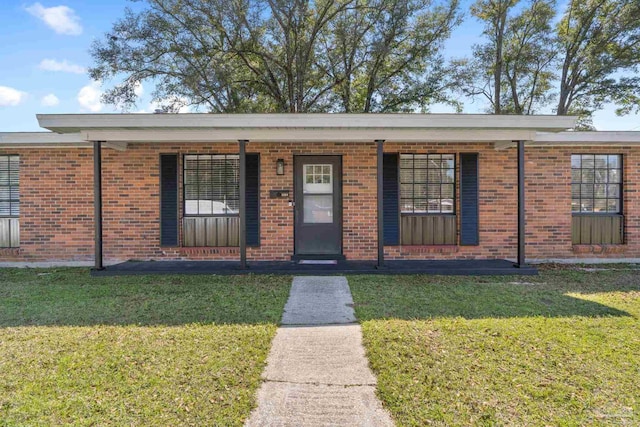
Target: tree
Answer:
[[529, 56], [280, 55], [512, 70], [599, 43]]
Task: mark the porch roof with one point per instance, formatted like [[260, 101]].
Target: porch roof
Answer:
[[303, 127], [117, 130]]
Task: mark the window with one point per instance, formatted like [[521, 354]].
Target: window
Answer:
[[9, 186], [427, 183], [211, 184], [596, 183]]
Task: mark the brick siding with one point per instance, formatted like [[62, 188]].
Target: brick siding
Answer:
[[56, 186]]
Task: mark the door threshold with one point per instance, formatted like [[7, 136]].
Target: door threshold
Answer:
[[330, 257], [318, 262]]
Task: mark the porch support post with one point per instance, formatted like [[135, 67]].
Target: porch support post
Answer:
[[243, 203], [380, 149], [521, 207], [97, 204]]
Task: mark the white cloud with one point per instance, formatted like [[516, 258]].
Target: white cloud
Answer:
[[139, 90], [61, 19], [50, 100], [64, 66], [89, 97], [10, 97]]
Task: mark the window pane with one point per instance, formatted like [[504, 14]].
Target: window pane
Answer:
[[4, 209], [211, 184], [600, 175], [420, 161], [406, 205], [15, 208], [420, 175], [588, 175], [613, 190], [600, 205], [615, 175], [447, 191], [575, 205], [448, 161], [575, 161], [613, 206], [576, 175], [420, 190], [448, 175], [433, 191], [406, 161], [601, 161], [232, 206], [587, 205], [434, 206], [588, 161], [406, 191], [434, 176], [5, 193], [205, 207], [420, 206], [575, 191], [586, 191], [316, 181], [600, 191], [406, 176], [614, 161]]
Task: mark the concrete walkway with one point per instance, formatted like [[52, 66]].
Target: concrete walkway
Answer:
[[317, 373]]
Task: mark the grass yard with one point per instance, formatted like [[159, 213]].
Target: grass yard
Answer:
[[560, 349], [141, 350]]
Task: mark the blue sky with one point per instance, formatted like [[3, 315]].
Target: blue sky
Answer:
[[44, 53]]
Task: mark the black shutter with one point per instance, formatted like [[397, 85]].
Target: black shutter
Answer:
[[390, 214], [469, 213], [252, 199], [168, 200]]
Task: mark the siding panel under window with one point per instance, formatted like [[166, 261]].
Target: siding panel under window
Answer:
[[597, 229]]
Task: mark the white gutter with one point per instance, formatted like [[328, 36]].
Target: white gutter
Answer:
[[51, 140], [588, 138], [305, 135]]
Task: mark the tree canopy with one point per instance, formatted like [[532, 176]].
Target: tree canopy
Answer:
[[281, 55], [575, 61], [374, 55]]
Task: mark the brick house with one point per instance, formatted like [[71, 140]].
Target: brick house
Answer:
[[257, 187]]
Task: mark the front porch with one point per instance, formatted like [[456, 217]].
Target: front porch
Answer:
[[475, 267]]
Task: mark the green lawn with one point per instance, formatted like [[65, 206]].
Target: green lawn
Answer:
[[162, 350], [562, 348]]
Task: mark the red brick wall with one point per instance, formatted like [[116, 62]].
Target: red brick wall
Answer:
[[57, 203]]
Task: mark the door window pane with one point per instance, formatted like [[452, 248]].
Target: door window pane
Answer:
[[318, 179], [318, 209]]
